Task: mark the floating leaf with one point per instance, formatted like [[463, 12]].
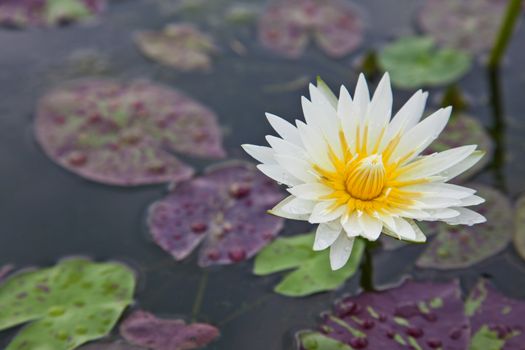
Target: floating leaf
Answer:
[[414, 62], [312, 272], [519, 235], [225, 209], [27, 13], [463, 246], [496, 321], [287, 25], [69, 304], [125, 134], [414, 315], [144, 329], [470, 25], [110, 345], [464, 130], [180, 46]]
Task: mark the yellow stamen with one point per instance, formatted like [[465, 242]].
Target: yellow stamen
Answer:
[[367, 179]]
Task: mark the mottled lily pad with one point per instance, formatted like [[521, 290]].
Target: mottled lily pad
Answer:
[[144, 329], [225, 209], [496, 321], [519, 234], [311, 269], [181, 46], [464, 130], [67, 305], [470, 25], [287, 26], [125, 134], [415, 62], [415, 315], [29, 13], [462, 246]]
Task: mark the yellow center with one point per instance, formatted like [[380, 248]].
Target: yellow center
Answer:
[[367, 179]]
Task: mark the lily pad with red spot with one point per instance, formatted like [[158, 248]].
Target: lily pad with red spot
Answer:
[[496, 320], [181, 46], [462, 246], [225, 210], [519, 234], [144, 329], [31, 13], [470, 25], [464, 130], [287, 26], [415, 315], [125, 134]]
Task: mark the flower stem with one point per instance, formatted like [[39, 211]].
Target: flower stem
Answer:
[[505, 33], [367, 268], [200, 296]]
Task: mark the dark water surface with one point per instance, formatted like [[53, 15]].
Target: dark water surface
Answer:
[[47, 213]]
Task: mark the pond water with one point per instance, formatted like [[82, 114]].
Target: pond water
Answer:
[[48, 213]]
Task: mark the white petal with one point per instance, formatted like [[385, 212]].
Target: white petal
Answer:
[[323, 212], [260, 153], [285, 129], [351, 225], [441, 214], [321, 115], [298, 168], [311, 191], [278, 210], [326, 234], [344, 104], [436, 163], [460, 168], [361, 99], [284, 147], [420, 136], [472, 200], [441, 189], [405, 231], [371, 227], [437, 202], [379, 112], [277, 173], [466, 217], [315, 145], [299, 206], [340, 251]]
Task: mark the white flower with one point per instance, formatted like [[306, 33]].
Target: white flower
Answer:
[[356, 172]]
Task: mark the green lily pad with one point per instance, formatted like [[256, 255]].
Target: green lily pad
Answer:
[[519, 234], [312, 272], [462, 246], [415, 62], [469, 25], [316, 341], [66, 305]]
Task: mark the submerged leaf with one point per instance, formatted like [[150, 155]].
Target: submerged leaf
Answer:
[[144, 329], [414, 315], [414, 62], [519, 222], [125, 134], [312, 272], [111, 345], [462, 246], [180, 46], [225, 209], [287, 25], [27, 13], [469, 25], [496, 321], [67, 305]]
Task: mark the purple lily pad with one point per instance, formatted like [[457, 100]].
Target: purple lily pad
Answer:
[[415, 315], [39, 13], [4, 271], [462, 246], [180, 46], [125, 134], [287, 25], [225, 209], [464, 130], [495, 318], [144, 329], [470, 25], [519, 234], [111, 345]]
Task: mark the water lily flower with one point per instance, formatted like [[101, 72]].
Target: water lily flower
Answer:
[[356, 172]]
